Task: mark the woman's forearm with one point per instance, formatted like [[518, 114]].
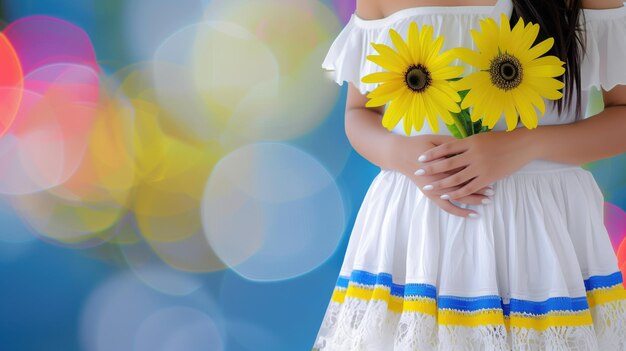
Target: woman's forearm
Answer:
[[369, 138], [595, 138]]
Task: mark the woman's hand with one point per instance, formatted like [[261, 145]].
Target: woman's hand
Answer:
[[405, 152], [484, 157]]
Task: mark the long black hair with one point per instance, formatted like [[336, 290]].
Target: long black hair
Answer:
[[564, 21]]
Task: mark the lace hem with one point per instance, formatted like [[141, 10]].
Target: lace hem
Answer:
[[363, 325], [610, 324]]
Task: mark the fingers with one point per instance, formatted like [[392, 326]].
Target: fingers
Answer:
[[441, 165], [439, 139], [477, 198], [453, 147], [456, 170], [456, 179], [455, 210], [488, 190], [481, 197]]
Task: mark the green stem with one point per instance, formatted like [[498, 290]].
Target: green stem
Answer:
[[459, 125]]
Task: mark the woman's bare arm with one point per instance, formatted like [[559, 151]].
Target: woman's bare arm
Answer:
[[391, 151], [365, 131]]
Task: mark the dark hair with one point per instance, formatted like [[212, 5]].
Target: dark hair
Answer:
[[559, 19]]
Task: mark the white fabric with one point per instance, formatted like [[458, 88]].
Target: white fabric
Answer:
[[542, 236], [602, 66], [485, 256], [359, 325], [346, 58]]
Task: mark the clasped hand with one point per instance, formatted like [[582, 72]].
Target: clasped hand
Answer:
[[462, 170]]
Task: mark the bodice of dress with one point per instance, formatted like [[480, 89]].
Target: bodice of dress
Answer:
[[602, 66]]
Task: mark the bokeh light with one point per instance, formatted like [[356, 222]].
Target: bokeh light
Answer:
[[176, 175], [11, 83], [298, 102], [344, 9], [154, 272], [122, 314], [272, 212], [44, 40], [48, 139], [203, 70], [615, 222], [178, 328], [147, 23]]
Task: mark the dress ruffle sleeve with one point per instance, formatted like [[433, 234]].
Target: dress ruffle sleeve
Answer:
[[604, 64], [346, 59]]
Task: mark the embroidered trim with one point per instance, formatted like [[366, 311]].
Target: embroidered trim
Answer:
[[481, 310]]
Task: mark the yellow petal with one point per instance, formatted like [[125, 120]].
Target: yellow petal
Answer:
[[526, 110], [446, 87], [538, 50], [390, 54], [387, 90], [527, 39], [509, 112], [420, 112], [379, 77], [471, 81], [480, 108], [505, 24], [473, 58], [546, 93], [426, 37], [545, 61], [533, 97], [394, 112], [493, 107], [410, 116], [413, 42], [442, 100], [431, 115], [544, 71], [472, 98], [476, 113], [387, 87], [400, 44], [445, 115], [486, 40], [443, 60], [377, 102], [434, 50], [377, 99], [510, 42], [390, 115], [448, 72], [477, 97], [545, 85]]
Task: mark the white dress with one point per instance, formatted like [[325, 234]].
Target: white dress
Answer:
[[536, 270]]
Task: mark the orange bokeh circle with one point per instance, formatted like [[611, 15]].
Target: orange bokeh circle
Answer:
[[11, 84]]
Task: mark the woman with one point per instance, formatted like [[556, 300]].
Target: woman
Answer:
[[501, 246]]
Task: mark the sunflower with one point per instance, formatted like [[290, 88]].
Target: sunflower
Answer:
[[512, 78], [415, 83]]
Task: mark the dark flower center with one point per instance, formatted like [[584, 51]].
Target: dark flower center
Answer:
[[417, 78], [506, 72]]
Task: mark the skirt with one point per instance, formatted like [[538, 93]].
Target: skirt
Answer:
[[535, 271]]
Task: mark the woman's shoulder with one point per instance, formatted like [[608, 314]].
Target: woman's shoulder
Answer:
[[369, 9], [376, 9], [602, 4]]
